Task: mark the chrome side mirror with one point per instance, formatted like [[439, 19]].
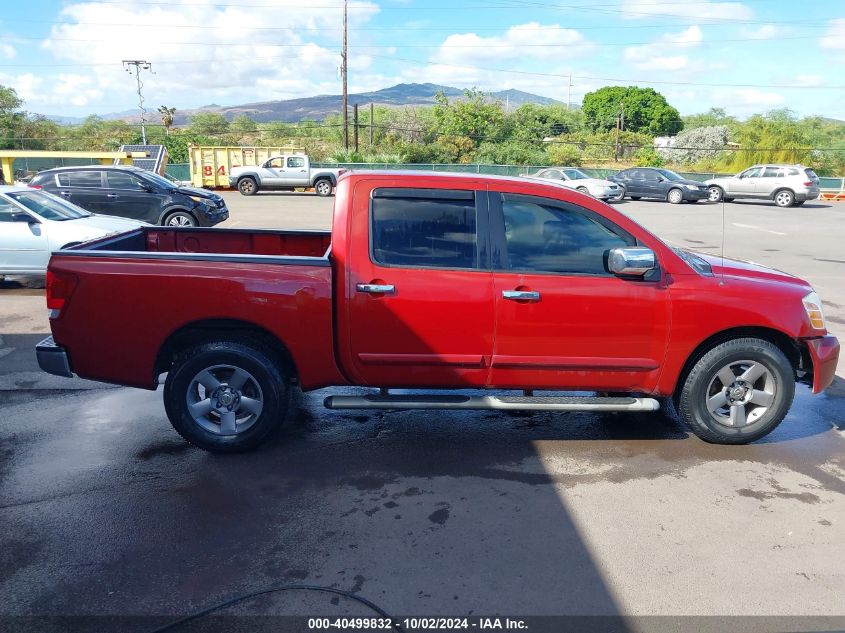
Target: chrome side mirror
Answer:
[[633, 261]]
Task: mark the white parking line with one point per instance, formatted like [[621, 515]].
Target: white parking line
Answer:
[[756, 228]]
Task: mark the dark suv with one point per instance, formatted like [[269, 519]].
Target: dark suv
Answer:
[[131, 192], [663, 184]]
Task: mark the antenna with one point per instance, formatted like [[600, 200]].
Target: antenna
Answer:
[[722, 250], [139, 65]]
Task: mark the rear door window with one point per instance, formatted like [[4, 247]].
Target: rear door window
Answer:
[[86, 179], [296, 161], [424, 228], [773, 172]]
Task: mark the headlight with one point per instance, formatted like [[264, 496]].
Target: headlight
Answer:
[[201, 200], [692, 187], [813, 306]]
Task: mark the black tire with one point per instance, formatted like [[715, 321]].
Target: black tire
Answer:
[[179, 219], [675, 196], [323, 187], [798, 204], [265, 385], [728, 199], [248, 186], [784, 198], [716, 193], [703, 386], [635, 197]]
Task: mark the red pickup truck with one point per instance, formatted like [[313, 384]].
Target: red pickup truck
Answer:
[[436, 281]]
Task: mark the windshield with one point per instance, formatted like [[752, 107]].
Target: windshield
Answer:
[[48, 206], [159, 180], [575, 174], [670, 175]]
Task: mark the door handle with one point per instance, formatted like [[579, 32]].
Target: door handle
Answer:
[[111, 195], [377, 289], [65, 193], [521, 295]]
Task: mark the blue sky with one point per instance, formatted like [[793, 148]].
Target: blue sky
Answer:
[[64, 56]]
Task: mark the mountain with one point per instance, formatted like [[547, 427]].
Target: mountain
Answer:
[[318, 107]]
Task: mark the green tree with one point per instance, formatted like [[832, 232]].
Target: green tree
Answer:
[[208, 123], [533, 121], [10, 116], [565, 155], [243, 124], [643, 109], [474, 117], [166, 117]]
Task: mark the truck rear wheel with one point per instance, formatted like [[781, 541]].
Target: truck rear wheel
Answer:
[[323, 187], [225, 397], [247, 186], [737, 392]]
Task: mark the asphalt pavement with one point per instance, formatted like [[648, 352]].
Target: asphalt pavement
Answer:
[[106, 512]]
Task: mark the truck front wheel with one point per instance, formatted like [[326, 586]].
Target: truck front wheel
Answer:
[[225, 397], [247, 186], [737, 392], [323, 187]]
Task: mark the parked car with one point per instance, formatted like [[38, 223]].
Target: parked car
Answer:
[[284, 172], [436, 281], [786, 185], [131, 192], [663, 184], [34, 224], [578, 180]]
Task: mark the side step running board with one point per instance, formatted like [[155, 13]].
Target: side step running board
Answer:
[[513, 403]]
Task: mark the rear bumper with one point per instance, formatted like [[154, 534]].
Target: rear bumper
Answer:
[[824, 352], [53, 358], [802, 196]]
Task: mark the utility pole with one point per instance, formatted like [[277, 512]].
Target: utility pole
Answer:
[[136, 66], [372, 122], [343, 104], [355, 123], [569, 92], [620, 126]]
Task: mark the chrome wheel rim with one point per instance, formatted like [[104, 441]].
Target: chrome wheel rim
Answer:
[[674, 196], [740, 393], [225, 400], [783, 199], [715, 194], [323, 188], [246, 186], [180, 220]]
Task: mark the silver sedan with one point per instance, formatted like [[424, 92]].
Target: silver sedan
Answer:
[[35, 223], [578, 180]]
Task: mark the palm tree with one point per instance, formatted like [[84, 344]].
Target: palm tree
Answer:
[[167, 117]]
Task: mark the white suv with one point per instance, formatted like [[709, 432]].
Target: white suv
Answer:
[[787, 185]]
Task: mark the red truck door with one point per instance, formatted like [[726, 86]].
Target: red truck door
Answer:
[[419, 289], [562, 320]]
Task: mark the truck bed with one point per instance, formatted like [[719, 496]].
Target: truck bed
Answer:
[[211, 243], [135, 292]]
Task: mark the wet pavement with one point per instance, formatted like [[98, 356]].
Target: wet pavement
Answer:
[[106, 511]]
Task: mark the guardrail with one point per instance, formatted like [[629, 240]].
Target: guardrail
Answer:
[[181, 171]]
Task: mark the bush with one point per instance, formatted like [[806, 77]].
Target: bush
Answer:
[[648, 157], [511, 153], [565, 155], [704, 143]]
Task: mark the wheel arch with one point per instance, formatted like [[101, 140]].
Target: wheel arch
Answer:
[[327, 175], [234, 330], [781, 340], [779, 189], [169, 211]]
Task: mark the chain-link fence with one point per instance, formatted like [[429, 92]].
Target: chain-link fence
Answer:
[[182, 171]]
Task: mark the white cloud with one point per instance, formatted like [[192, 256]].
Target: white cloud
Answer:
[[764, 32], [200, 52], [704, 11], [532, 40], [666, 52], [834, 38], [8, 51], [809, 81], [755, 97]]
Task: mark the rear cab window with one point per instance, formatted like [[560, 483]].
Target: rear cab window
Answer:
[[424, 228]]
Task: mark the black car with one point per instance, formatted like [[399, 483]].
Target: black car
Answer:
[[663, 184], [131, 192]]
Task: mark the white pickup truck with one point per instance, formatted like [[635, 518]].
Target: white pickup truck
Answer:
[[284, 172]]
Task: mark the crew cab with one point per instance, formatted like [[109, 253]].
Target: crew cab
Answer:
[[284, 172], [433, 282]]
